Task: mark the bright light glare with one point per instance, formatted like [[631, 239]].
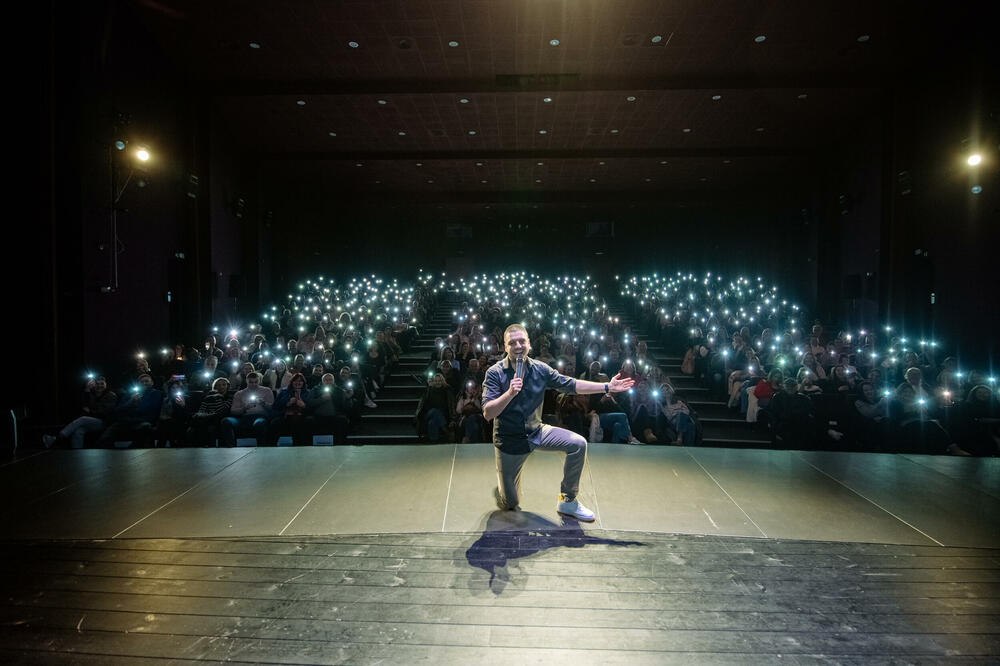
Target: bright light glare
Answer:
[[975, 159], [142, 154]]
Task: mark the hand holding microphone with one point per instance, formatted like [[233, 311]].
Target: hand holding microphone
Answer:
[[518, 381]]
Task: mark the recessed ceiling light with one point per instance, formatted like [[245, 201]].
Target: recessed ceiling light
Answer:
[[553, 42], [864, 38], [382, 101], [546, 99], [300, 102], [479, 164], [482, 181], [464, 100], [759, 38], [430, 181], [716, 97], [401, 133], [614, 131], [976, 189], [727, 161], [254, 45], [647, 179], [420, 164], [333, 134], [760, 129], [656, 39], [472, 132], [803, 96], [452, 44], [630, 98], [593, 180], [543, 131], [602, 163], [353, 45], [378, 182], [539, 163], [538, 180], [686, 129], [359, 164], [663, 163], [703, 179]]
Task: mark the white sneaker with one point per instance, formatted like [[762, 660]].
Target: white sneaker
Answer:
[[369, 404], [574, 509], [48, 440]]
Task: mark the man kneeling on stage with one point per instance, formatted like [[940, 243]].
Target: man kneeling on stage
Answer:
[[513, 392]]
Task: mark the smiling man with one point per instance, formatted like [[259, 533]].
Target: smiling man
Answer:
[[513, 392]]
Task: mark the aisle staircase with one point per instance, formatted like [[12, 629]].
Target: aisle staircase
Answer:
[[392, 421]]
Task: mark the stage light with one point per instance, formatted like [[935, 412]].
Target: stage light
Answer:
[[142, 154], [975, 159]]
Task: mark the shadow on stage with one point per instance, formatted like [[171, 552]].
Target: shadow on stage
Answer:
[[510, 536]]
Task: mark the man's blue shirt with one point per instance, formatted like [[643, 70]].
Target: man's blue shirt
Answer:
[[521, 419]]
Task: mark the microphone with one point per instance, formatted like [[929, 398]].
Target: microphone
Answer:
[[520, 362]]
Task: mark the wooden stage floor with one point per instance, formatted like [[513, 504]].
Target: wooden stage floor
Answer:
[[384, 554]]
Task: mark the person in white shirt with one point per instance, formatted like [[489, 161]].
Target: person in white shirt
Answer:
[[250, 411]]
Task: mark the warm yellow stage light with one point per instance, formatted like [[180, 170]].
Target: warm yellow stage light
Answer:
[[975, 159], [142, 154]]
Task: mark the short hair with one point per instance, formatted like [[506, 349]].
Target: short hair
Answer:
[[218, 380], [514, 327], [253, 374]]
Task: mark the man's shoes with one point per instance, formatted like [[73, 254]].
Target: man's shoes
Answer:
[[500, 504], [574, 509], [48, 440]]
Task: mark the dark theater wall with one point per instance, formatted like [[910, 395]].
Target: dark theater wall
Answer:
[[108, 81]]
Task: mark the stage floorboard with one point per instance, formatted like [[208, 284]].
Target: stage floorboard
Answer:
[[362, 554]]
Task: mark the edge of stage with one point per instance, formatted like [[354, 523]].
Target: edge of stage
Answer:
[[309, 491]]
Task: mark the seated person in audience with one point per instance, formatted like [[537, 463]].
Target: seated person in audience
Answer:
[[842, 380], [135, 415], [325, 411], [872, 418], [949, 372], [916, 431], [766, 390], [289, 411], [204, 378], [810, 363], [643, 410], [572, 412], [277, 376], [545, 355], [792, 420], [98, 406], [474, 373], [807, 382], [844, 359], [175, 364], [436, 410], [250, 411], [316, 377], [677, 415], [298, 365], [212, 349], [175, 413], [611, 418], [214, 407], [593, 372], [470, 412], [451, 376], [976, 423], [348, 395], [141, 368]]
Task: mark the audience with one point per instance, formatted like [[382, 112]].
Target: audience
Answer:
[[315, 363]]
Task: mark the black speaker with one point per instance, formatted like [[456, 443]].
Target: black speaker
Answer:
[[237, 286], [852, 286]]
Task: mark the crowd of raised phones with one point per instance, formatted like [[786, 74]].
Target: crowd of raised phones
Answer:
[[873, 389], [314, 364], [308, 367]]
